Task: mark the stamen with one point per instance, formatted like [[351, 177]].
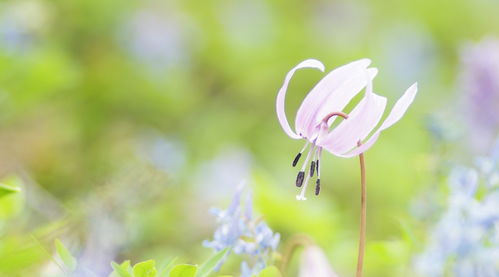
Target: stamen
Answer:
[[319, 154], [317, 186], [312, 164], [318, 182], [301, 196], [298, 156], [307, 158], [312, 169], [299, 178]]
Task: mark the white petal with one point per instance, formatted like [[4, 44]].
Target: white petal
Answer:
[[281, 96], [363, 148], [400, 107], [361, 121], [314, 263], [395, 115], [332, 93]]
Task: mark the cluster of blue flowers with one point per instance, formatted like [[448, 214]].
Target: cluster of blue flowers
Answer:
[[244, 235], [465, 241]]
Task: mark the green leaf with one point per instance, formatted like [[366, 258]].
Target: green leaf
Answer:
[[145, 269], [66, 257], [210, 264], [9, 185], [126, 265], [183, 270], [164, 272], [123, 270], [270, 271], [11, 200]]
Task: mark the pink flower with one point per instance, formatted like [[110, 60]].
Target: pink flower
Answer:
[[314, 262], [325, 102]]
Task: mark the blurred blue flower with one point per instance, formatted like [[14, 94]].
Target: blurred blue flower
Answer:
[[160, 36], [243, 234], [167, 154], [465, 241], [21, 24]]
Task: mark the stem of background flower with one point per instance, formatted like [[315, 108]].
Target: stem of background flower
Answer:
[[291, 245], [363, 214]]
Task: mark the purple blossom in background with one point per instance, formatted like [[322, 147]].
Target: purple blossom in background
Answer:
[[465, 240], [327, 15], [247, 23], [244, 235], [160, 36], [479, 81]]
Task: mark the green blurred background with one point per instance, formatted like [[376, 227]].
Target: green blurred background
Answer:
[[124, 121]]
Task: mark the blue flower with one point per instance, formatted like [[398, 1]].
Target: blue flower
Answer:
[[244, 235], [465, 241]]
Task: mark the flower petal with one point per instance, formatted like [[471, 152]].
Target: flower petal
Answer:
[[363, 148], [335, 103], [337, 88], [400, 107], [281, 96], [314, 262], [361, 121], [395, 115]]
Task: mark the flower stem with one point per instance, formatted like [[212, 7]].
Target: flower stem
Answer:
[[363, 215], [291, 245]]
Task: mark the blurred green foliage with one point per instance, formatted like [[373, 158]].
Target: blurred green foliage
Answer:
[[126, 120]]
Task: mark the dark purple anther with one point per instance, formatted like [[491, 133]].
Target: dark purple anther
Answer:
[[297, 158], [299, 178], [312, 169]]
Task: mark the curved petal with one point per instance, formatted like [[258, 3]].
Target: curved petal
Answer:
[[361, 121], [395, 115], [314, 263], [400, 107], [281, 95], [337, 88], [361, 149], [339, 102]]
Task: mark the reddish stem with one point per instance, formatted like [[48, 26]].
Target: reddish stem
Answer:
[[363, 214], [342, 114]]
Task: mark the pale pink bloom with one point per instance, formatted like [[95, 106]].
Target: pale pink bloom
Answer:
[[330, 95], [314, 263]]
